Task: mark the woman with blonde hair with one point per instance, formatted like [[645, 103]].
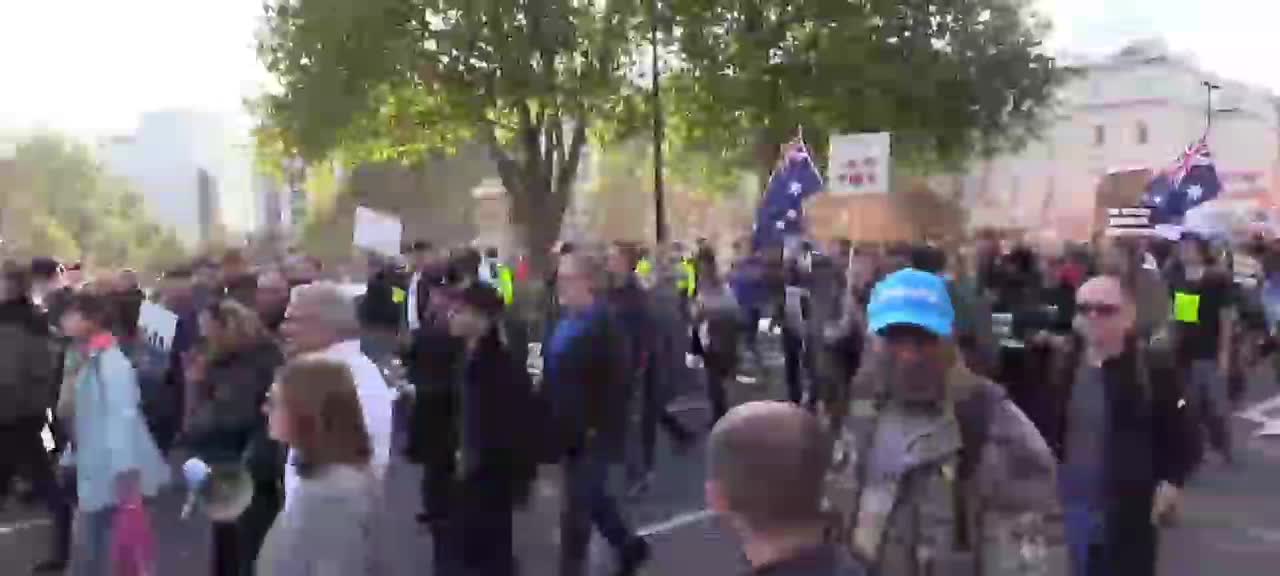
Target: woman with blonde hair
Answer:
[[328, 524], [230, 381]]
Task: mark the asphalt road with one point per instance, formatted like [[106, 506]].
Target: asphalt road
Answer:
[[1230, 525]]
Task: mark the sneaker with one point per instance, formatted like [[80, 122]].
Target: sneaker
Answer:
[[50, 567], [633, 557]]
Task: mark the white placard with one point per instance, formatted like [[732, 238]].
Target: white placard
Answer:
[[859, 164], [377, 232], [158, 325]]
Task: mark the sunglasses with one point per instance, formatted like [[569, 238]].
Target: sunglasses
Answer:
[[1099, 309]]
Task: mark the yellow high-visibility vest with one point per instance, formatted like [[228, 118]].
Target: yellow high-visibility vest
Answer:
[[644, 268], [689, 282], [506, 284]]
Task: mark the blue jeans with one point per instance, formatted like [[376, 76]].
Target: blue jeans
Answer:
[[92, 553], [588, 502], [1084, 531]]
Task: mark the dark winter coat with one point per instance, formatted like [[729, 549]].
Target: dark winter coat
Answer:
[[227, 423], [27, 362], [432, 364], [498, 420], [1148, 434]]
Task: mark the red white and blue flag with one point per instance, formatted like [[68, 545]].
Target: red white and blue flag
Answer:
[[781, 211], [1191, 181]]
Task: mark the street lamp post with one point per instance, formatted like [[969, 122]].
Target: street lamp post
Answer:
[[655, 97], [1209, 87]]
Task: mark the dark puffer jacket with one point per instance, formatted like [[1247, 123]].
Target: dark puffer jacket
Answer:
[[27, 362]]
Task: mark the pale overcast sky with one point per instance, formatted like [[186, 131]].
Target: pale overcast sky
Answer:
[[90, 67]]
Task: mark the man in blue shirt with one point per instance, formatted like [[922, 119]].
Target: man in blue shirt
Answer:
[[587, 380]]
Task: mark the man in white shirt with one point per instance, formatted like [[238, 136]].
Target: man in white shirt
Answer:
[[422, 260], [321, 322]]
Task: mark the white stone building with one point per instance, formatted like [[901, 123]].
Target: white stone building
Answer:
[[1136, 109], [164, 160]]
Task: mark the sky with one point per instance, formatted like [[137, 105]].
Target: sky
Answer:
[[1232, 38], [91, 67]]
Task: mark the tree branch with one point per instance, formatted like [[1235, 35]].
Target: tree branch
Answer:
[[569, 168]]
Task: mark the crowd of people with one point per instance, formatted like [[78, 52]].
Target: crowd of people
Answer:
[[941, 403]]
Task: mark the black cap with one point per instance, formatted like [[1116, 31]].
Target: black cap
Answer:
[[481, 297], [43, 267]]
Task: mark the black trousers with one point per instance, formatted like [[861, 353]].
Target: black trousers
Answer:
[[472, 530], [653, 412], [236, 544], [24, 454], [794, 362], [720, 368]]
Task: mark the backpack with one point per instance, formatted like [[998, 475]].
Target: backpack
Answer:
[[159, 403]]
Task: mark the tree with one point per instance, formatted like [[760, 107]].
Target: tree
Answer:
[[383, 79], [950, 78], [60, 203]]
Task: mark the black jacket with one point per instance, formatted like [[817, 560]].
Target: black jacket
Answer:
[[27, 360], [630, 304], [225, 425], [497, 426], [378, 307], [1149, 431], [432, 365]]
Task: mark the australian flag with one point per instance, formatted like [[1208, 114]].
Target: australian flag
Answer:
[[1190, 182], [781, 212]]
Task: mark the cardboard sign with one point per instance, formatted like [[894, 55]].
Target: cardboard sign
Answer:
[[158, 325], [859, 164], [377, 232]]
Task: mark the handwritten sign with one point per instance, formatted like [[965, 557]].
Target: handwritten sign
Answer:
[[377, 232], [859, 164], [158, 325]]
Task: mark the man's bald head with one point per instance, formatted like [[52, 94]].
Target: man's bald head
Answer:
[[766, 465]]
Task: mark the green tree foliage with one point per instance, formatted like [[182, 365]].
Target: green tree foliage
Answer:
[[949, 78], [383, 79], [60, 203]]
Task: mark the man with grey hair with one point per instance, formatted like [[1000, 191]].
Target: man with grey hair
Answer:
[[767, 464], [321, 323]]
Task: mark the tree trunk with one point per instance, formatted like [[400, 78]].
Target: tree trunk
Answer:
[[539, 196]]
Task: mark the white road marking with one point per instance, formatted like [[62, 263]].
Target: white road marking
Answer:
[[1258, 412], [1266, 413], [675, 522], [23, 526]]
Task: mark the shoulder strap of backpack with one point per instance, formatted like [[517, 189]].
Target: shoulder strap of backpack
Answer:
[[973, 414]]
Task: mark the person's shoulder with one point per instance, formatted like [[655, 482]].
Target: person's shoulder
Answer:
[[337, 486]]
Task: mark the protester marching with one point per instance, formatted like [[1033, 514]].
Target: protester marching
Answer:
[[969, 406]]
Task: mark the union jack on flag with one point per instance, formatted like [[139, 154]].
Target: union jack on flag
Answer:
[[1196, 154], [1191, 181]]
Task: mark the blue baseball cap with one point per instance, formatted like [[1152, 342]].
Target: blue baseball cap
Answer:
[[911, 297]]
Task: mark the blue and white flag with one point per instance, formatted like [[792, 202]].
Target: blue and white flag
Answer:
[[781, 211], [1190, 182]]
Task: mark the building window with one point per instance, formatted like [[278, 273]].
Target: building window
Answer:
[[1099, 135], [1142, 132]]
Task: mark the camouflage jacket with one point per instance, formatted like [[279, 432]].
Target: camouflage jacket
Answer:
[[913, 502]]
